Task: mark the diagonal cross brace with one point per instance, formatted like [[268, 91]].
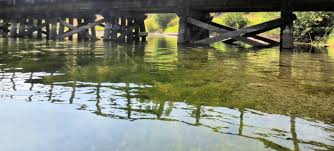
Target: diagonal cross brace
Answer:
[[223, 31], [267, 40], [78, 29], [249, 31]]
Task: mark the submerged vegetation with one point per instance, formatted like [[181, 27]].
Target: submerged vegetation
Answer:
[[311, 27], [234, 79]]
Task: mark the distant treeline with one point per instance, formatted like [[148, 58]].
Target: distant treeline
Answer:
[[311, 27]]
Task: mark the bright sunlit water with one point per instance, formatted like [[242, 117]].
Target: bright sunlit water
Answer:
[[66, 96]]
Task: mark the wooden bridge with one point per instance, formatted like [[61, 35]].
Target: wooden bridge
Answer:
[[123, 20]]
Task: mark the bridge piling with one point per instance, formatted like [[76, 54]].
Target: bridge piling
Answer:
[[22, 26], [39, 28], [71, 22], [13, 28], [107, 28], [286, 35], [61, 26], [30, 27], [189, 33], [4, 27]]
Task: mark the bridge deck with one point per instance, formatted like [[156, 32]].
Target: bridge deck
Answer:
[[159, 6]]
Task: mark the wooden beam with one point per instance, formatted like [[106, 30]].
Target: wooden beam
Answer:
[[71, 27], [223, 31], [79, 29], [253, 30], [267, 40]]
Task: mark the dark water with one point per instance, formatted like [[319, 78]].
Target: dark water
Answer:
[[61, 96]]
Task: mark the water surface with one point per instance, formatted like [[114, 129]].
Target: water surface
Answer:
[[161, 96]]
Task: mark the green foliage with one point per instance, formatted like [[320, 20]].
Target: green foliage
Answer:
[[160, 22], [313, 26], [151, 23], [164, 19], [235, 20]]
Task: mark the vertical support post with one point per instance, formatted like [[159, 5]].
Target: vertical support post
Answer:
[[142, 27], [130, 30], [114, 29], [121, 38], [70, 21], [61, 27], [286, 34], [53, 32], [107, 28], [22, 27], [189, 33], [4, 29], [184, 27], [47, 28], [39, 26], [80, 34], [30, 27], [86, 32], [13, 28], [137, 29], [93, 29]]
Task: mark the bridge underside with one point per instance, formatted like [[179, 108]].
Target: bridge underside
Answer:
[[124, 19]]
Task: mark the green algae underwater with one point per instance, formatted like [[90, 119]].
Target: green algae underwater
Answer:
[[195, 98]]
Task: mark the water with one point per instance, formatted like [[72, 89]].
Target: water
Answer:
[[161, 96]]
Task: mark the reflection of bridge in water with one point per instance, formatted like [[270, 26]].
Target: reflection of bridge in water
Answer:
[[122, 100], [124, 19]]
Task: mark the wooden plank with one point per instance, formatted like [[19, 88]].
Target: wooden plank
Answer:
[[253, 30], [143, 34], [82, 28], [223, 31]]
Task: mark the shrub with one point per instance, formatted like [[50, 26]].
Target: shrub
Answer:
[[313, 26], [235, 20]]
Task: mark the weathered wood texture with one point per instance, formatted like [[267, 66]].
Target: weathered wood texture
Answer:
[[162, 6], [248, 31]]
